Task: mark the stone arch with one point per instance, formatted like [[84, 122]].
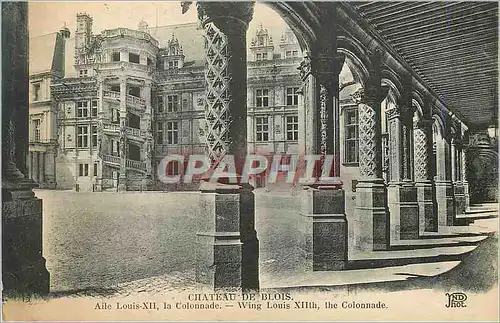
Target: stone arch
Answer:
[[418, 102], [392, 80], [356, 57], [302, 18], [438, 126], [417, 109], [394, 93]]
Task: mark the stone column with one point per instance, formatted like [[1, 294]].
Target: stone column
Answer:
[[465, 182], [422, 135], [30, 164], [444, 185], [147, 182], [41, 161], [371, 216], [323, 204], [227, 246], [402, 194], [122, 179], [456, 149], [23, 267], [310, 98]]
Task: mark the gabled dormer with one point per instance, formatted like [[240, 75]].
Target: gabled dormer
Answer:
[[173, 56], [262, 47], [289, 45]]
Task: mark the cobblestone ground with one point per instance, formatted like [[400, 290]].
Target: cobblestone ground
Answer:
[[110, 243]]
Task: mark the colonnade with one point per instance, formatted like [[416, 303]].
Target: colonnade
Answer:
[[413, 201], [420, 194]]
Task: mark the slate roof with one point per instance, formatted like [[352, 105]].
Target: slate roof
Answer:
[[41, 53]]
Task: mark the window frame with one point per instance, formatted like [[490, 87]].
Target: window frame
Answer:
[[130, 55], [172, 105], [262, 100], [348, 140], [172, 132], [159, 133], [83, 170], [115, 55], [293, 96], [160, 104], [37, 131], [82, 140], [94, 108], [37, 91], [262, 129], [82, 111], [294, 123], [93, 136]]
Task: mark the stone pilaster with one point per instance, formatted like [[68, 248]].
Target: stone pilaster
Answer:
[[23, 266], [370, 225], [324, 233], [122, 179], [444, 185], [456, 150], [465, 182], [402, 193], [227, 245], [422, 137], [148, 144]]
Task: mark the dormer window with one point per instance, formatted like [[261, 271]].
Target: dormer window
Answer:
[[84, 73], [173, 65]]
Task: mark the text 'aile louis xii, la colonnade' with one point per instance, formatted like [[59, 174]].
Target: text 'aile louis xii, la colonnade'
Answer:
[[420, 193]]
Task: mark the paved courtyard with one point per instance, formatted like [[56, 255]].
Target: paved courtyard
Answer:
[[108, 244], [97, 240]]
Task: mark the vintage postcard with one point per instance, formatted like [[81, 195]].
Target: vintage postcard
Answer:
[[249, 161]]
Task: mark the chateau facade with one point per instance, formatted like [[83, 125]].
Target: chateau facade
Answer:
[[123, 99]]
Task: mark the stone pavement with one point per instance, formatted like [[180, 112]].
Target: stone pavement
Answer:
[[111, 244]]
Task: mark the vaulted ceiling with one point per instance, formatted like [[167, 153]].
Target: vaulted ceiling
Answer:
[[453, 46]]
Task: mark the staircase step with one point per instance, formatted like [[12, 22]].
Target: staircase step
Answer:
[[436, 242], [359, 277], [391, 258]]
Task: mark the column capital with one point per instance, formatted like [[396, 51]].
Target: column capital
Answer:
[[423, 124], [305, 68], [393, 113], [370, 95], [328, 69], [223, 13]]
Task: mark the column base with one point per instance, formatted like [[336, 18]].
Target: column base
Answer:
[[445, 203], [403, 211], [23, 267], [466, 194], [227, 246], [459, 198], [324, 233], [147, 184], [122, 184], [371, 219], [428, 221]]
